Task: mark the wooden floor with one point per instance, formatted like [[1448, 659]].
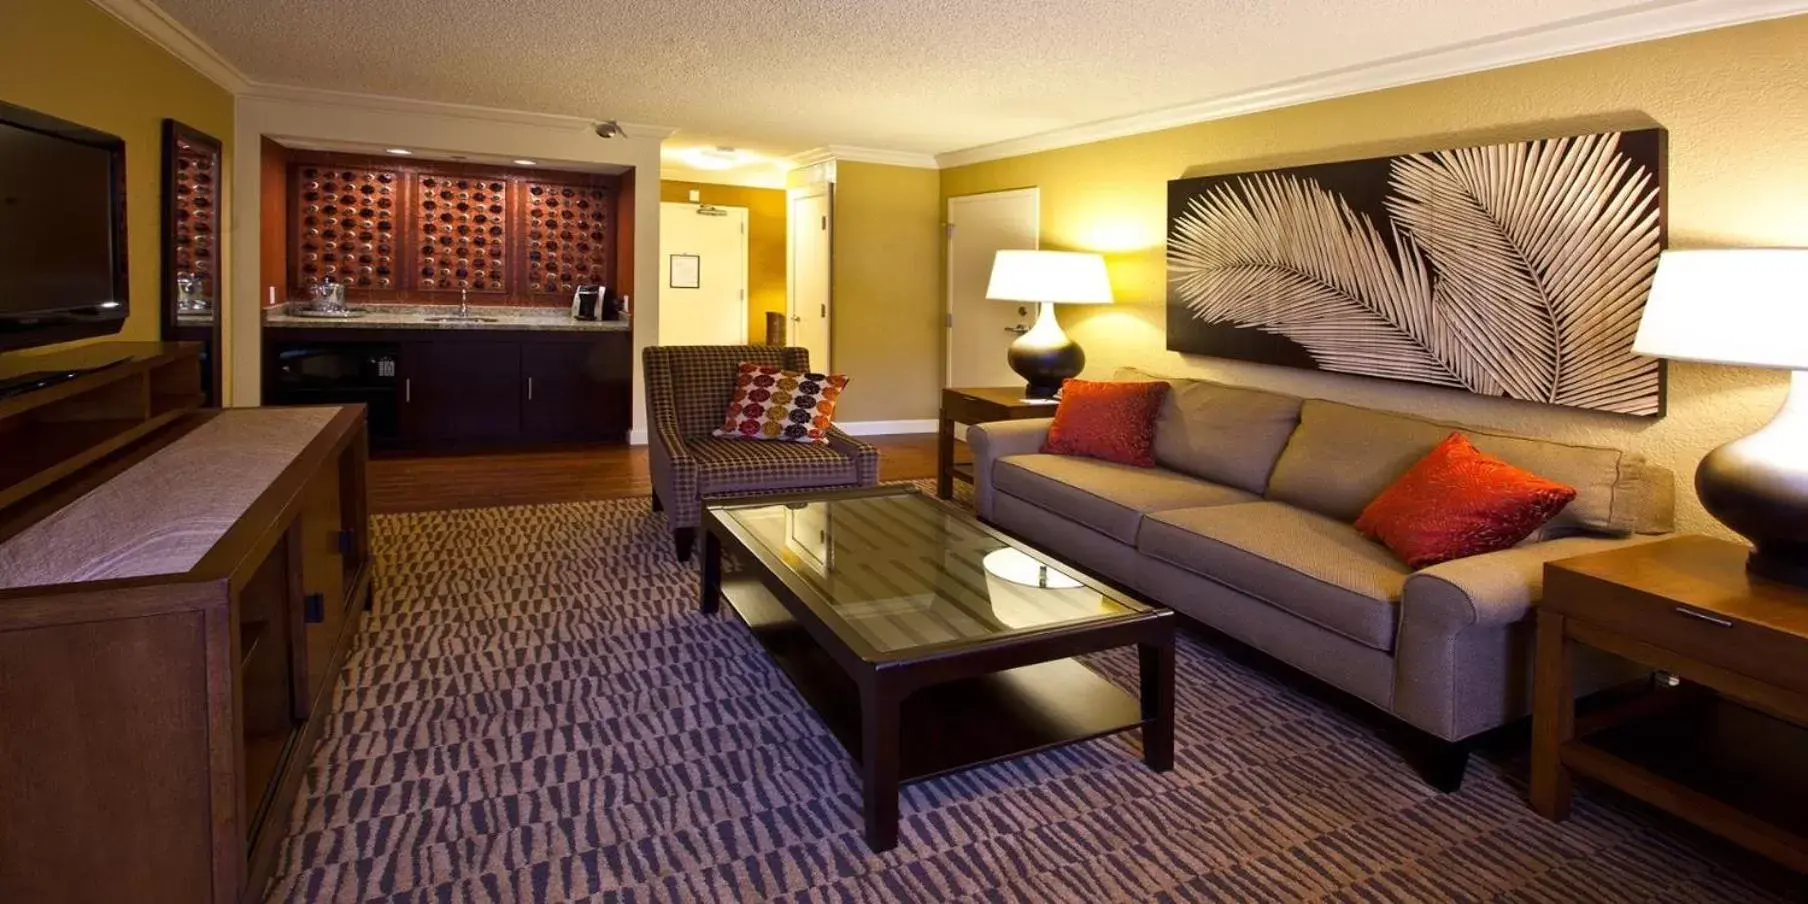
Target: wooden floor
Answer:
[[570, 474]]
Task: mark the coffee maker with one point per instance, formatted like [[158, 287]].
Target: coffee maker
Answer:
[[595, 303]]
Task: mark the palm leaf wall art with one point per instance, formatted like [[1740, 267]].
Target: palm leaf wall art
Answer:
[[1516, 270]]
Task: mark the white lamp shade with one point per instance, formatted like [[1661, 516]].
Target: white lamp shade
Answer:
[[1729, 306], [1063, 277]]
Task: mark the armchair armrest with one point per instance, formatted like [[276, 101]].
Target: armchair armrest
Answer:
[[1462, 654], [996, 440], [864, 454]]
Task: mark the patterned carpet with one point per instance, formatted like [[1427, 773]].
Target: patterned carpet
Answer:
[[538, 714]]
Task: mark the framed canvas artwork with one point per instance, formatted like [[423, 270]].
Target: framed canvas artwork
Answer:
[[1514, 270]]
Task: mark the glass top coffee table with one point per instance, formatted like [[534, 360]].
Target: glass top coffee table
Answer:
[[929, 642]]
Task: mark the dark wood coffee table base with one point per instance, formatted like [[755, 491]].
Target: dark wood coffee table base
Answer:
[[916, 728]]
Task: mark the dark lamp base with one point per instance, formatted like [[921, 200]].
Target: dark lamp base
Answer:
[[1044, 357], [1758, 486]]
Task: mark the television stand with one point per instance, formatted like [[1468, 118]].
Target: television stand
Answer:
[[100, 399], [44, 379]]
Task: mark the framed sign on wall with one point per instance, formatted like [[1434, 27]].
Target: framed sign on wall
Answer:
[[687, 271]]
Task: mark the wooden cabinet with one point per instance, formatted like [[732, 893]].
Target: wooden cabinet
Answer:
[[461, 392], [158, 709], [575, 391], [463, 389]]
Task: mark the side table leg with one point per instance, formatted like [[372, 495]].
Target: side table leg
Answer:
[[879, 765], [711, 596], [1553, 717], [944, 459], [1156, 663]]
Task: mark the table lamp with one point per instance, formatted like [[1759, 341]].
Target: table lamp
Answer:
[[1044, 356], [1748, 307]]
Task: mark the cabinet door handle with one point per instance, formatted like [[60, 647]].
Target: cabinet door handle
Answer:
[[530, 389], [314, 608], [407, 390], [1703, 616]]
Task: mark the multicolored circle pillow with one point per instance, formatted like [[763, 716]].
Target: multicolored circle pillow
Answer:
[[771, 403]]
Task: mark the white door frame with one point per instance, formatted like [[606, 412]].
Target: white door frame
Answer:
[[1034, 193], [744, 215], [826, 191]]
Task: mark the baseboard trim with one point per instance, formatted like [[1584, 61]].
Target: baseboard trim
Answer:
[[879, 428], [637, 437]]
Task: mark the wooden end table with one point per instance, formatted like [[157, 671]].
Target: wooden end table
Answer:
[[978, 406], [1688, 607]]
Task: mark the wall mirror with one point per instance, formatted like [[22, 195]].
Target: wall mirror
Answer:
[[191, 245]]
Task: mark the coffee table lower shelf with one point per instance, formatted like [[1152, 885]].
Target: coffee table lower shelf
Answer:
[[946, 727]]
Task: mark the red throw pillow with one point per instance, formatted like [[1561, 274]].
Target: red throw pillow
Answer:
[[1459, 502], [1110, 421]]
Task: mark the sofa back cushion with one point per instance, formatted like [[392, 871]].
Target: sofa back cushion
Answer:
[[1341, 457], [1225, 434]]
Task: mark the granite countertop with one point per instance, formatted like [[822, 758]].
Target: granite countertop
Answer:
[[414, 317]]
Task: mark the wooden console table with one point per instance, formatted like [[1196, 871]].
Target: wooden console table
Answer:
[[1729, 761], [978, 406], [172, 622]]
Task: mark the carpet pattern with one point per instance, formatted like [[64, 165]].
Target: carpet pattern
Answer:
[[537, 713]]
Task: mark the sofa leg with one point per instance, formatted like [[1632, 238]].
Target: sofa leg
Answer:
[[658, 504], [1439, 762], [682, 540]]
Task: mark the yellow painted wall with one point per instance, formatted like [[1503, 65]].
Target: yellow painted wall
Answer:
[[69, 59], [1735, 102], [886, 315], [766, 210]]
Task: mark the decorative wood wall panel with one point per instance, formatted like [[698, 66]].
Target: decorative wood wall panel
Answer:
[[196, 207], [461, 233], [508, 235], [570, 236], [346, 226]]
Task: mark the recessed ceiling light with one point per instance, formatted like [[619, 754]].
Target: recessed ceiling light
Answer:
[[525, 163], [399, 152]]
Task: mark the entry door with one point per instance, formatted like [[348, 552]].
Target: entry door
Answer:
[[811, 228], [981, 331], [703, 261]]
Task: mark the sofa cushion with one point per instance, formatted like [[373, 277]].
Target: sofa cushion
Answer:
[[1341, 457], [1225, 434], [728, 466], [1107, 497], [1317, 568]]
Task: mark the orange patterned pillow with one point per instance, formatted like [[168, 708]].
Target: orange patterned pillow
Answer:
[[772, 403], [1109, 421], [1459, 502]]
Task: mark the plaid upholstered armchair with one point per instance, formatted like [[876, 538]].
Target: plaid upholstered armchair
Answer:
[[688, 389]]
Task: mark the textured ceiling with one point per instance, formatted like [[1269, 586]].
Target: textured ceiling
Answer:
[[924, 76]]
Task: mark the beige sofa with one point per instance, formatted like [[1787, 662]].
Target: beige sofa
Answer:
[[1246, 527]]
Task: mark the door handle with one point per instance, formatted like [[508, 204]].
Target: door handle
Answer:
[[797, 318], [407, 390], [530, 389], [1019, 329]]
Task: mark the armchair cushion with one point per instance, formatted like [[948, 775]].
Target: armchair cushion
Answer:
[[730, 466]]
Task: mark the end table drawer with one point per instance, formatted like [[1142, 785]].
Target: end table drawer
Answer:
[[1710, 637]]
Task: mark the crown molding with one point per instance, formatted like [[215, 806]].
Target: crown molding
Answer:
[[1648, 22], [150, 20], [385, 103], [844, 152]]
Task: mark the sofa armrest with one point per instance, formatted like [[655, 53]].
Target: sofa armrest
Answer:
[[996, 440], [674, 474], [1462, 651], [864, 454]]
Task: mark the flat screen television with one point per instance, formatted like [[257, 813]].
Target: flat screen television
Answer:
[[62, 230]]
